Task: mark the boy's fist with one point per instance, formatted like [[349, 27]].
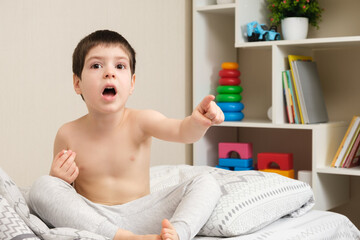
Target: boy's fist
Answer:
[[64, 166], [209, 112]]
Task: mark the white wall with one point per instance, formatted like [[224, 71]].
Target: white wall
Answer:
[[37, 38]]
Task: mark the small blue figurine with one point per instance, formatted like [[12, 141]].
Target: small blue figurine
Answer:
[[260, 32]]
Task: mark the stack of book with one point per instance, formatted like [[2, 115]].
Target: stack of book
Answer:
[[304, 100], [348, 153]]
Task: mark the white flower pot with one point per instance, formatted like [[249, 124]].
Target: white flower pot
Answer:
[[294, 28]]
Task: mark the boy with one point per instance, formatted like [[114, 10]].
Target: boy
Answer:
[[106, 155]]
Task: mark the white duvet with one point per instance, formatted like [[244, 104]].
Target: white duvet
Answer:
[[314, 225]]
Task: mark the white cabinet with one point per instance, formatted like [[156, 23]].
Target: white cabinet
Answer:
[[218, 36]]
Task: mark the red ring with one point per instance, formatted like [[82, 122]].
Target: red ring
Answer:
[[229, 81], [229, 73]]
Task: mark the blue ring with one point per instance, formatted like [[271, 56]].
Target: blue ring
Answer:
[[233, 116], [231, 106]]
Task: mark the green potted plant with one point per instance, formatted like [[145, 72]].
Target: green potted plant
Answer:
[[306, 12]]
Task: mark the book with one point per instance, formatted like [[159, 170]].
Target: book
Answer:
[[352, 141], [293, 97], [352, 159], [291, 106], [347, 141], [343, 141], [310, 92], [356, 160], [300, 94], [293, 58], [287, 98]]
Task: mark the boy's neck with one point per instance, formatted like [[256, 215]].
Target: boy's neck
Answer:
[[105, 122]]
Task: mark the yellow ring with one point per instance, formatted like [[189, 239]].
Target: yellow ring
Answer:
[[229, 65]]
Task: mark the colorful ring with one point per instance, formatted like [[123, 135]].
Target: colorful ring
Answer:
[[229, 81], [233, 116], [229, 73], [229, 89], [231, 106], [229, 65], [228, 98]]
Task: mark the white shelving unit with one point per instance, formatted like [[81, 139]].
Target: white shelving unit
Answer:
[[218, 36]]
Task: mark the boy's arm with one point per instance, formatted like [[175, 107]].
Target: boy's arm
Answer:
[[63, 165], [188, 130]]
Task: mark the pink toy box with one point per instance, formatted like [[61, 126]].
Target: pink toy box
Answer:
[[243, 149]]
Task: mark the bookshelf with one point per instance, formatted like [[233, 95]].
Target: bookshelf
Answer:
[[218, 37]]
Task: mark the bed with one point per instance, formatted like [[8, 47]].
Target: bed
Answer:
[[254, 206]]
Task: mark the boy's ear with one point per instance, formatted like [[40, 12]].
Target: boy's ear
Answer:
[[132, 87], [76, 83]]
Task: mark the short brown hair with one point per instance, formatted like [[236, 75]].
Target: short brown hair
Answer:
[[96, 38]]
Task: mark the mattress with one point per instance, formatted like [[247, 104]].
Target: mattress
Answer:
[[312, 225]]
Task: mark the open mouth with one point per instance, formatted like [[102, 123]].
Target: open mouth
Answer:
[[109, 92]]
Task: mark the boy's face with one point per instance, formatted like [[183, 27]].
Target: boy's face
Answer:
[[106, 80]]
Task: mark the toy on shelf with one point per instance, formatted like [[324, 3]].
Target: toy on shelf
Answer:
[[228, 97], [242, 163], [283, 160], [260, 32]]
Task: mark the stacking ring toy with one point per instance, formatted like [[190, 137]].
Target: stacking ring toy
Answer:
[[231, 106], [229, 73], [229, 81], [229, 65], [228, 97], [233, 116], [229, 89]]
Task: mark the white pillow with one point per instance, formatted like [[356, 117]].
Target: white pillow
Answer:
[[250, 199], [11, 225], [11, 193]]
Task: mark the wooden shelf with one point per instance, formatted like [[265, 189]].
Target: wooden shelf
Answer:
[[340, 171], [228, 9], [268, 124], [218, 36], [309, 43]]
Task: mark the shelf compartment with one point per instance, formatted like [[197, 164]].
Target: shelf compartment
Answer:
[[214, 44], [263, 140], [337, 64], [330, 190], [255, 67]]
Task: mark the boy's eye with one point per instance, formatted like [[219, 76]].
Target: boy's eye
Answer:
[[96, 66], [120, 66]]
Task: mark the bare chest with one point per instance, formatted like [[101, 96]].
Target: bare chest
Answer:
[[110, 156]]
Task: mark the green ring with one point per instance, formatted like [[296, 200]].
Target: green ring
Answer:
[[229, 89], [228, 98]]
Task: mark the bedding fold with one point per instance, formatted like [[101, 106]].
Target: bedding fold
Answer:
[[250, 200]]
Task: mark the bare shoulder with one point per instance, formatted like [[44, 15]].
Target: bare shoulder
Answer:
[[144, 116], [69, 127], [139, 114], [144, 119], [65, 132]]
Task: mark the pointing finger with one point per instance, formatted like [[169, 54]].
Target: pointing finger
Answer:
[[211, 111], [205, 103]]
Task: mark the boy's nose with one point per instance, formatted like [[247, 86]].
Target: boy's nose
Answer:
[[109, 72], [109, 75]]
